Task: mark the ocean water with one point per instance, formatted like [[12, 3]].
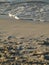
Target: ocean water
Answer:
[[33, 10]]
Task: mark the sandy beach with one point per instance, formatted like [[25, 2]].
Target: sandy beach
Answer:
[[23, 28], [21, 39]]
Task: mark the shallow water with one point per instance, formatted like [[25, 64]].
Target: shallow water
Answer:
[[35, 11]]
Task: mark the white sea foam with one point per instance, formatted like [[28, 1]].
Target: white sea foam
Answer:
[[34, 11], [10, 15], [14, 16]]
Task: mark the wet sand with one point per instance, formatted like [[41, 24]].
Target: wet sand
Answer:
[[23, 28], [23, 42]]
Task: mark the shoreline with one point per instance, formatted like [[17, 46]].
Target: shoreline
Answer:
[[24, 28]]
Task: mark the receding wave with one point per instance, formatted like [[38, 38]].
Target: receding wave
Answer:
[[33, 10]]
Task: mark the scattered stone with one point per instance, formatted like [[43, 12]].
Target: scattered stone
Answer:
[[46, 57], [11, 37], [32, 51]]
